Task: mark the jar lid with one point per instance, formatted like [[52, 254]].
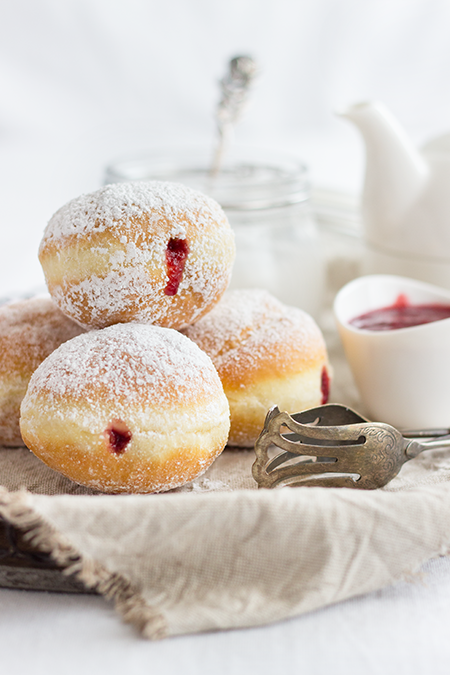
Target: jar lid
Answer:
[[249, 179]]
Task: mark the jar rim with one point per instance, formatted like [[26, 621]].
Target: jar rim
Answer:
[[249, 178]]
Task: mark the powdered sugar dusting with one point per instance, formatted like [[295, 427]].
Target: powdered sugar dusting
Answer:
[[29, 331], [124, 202], [110, 251], [205, 484], [252, 323], [127, 362]]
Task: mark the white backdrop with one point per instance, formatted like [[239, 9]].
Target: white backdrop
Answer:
[[85, 81]]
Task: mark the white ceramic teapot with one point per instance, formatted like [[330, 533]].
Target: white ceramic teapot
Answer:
[[406, 197]]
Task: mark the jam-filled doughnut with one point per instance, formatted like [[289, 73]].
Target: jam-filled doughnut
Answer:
[[266, 354], [30, 330], [150, 252], [129, 408]]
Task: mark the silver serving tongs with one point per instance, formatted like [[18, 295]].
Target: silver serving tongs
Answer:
[[334, 446]]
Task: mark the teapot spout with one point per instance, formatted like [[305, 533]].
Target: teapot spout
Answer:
[[395, 171]]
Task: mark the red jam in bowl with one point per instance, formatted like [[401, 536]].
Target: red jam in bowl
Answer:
[[401, 314]]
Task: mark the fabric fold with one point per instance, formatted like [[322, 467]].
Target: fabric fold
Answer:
[[184, 563]]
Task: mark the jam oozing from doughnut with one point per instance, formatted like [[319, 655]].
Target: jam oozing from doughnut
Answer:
[[401, 315], [118, 436], [325, 385], [176, 253]]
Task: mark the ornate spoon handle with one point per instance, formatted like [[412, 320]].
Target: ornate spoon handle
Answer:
[[235, 86]]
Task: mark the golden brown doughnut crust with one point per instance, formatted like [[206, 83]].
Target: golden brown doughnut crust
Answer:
[[266, 354], [30, 330], [104, 255], [130, 408]]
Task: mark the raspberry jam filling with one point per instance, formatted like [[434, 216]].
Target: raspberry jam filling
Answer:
[[402, 314], [176, 254], [325, 385], [118, 436]]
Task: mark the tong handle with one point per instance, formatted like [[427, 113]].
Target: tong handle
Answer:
[[425, 433]]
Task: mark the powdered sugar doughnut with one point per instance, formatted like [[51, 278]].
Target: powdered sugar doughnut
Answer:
[[150, 252], [266, 354], [30, 330], [130, 408]]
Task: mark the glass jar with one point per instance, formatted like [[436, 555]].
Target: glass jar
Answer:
[[266, 199]]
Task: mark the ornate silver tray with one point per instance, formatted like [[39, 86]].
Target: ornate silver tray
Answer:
[[22, 566]]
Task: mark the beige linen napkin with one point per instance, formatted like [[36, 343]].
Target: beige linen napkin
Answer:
[[220, 554]]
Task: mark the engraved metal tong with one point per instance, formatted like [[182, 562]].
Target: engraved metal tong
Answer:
[[334, 446]]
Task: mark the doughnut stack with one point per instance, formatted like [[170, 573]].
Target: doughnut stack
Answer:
[[138, 394]]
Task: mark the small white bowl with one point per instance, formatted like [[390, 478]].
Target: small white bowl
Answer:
[[403, 375]]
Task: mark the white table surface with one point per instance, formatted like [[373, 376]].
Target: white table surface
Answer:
[[84, 81], [402, 629]]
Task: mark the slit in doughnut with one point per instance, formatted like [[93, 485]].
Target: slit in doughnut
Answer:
[[176, 253], [118, 436], [325, 385]]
